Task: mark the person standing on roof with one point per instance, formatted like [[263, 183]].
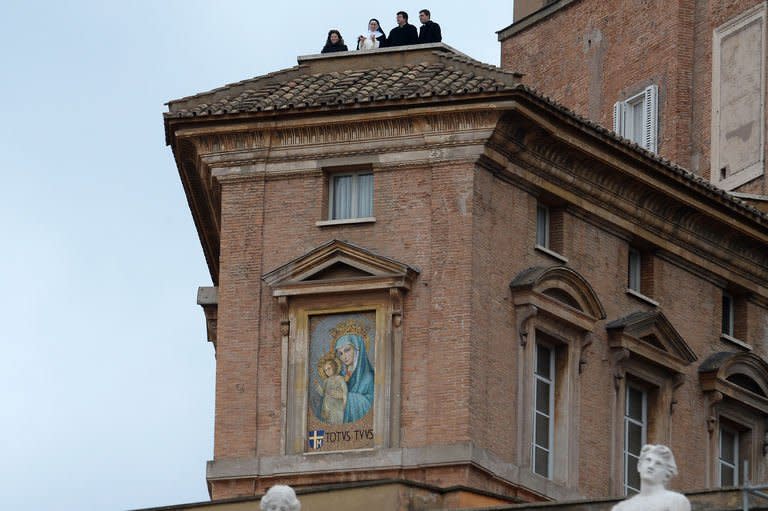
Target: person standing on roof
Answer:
[[429, 32], [334, 42], [404, 33], [374, 38]]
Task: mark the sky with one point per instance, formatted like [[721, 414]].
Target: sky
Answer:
[[106, 378]]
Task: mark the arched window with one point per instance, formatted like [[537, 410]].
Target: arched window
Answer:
[[736, 385], [556, 310]]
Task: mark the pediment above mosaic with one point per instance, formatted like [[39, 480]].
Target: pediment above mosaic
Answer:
[[339, 266]]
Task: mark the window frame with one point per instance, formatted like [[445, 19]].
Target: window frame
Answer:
[[550, 413], [549, 230], [736, 455], [354, 195], [643, 423], [542, 225], [634, 269], [727, 312], [624, 119], [641, 274]]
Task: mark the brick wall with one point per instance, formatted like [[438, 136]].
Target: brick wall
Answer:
[[590, 54]]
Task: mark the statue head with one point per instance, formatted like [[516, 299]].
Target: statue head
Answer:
[[656, 464], [280, 498]]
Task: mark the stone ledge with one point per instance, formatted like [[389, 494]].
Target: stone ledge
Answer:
[[387, 459]]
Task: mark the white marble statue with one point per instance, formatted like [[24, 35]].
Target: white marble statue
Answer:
[[280, 498], [656, 467]]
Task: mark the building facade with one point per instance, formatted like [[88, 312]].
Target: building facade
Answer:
[[427, 273], [683, 79]]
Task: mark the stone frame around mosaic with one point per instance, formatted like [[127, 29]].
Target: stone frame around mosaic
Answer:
[[308, 286]]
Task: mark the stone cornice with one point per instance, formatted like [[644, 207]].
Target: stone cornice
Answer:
[[536, 145], [660, 208]]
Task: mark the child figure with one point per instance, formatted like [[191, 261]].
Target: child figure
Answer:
[[333, 389]]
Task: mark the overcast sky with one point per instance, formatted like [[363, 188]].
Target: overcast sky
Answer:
[[106, 379]]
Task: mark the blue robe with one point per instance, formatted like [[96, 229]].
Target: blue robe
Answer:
[[360, 384]]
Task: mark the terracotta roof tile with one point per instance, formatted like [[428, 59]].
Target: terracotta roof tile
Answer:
[[442, 73]]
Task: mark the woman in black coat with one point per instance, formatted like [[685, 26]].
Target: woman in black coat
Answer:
[[334, 42]]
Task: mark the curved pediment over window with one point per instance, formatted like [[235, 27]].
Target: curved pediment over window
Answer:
[[560, 291], [650, 335], [339, 267], [739, 376]]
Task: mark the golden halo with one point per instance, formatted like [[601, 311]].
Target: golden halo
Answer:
[[349, 326]]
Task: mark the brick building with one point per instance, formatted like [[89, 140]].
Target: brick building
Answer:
[[511, 298], [683, 79]]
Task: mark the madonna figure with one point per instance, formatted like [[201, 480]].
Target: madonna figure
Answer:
[[358, 373]]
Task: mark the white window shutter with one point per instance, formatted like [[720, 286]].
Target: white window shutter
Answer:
[[651, 116], [618, 118]]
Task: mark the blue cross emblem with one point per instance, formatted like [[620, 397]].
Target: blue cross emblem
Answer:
[[316, 438]]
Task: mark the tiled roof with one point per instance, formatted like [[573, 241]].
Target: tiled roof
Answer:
[[440, 73], [410, 73]]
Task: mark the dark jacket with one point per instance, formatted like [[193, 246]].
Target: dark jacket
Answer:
[[430, 33], [402, 36], [330, 48]]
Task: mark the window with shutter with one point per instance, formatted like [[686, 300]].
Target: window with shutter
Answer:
[[636, 118]]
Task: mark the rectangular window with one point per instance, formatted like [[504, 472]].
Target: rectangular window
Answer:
[[634, 269], [728, 313], [635, 435], [350, 195], [636, 118], [728, 461], [542, 225], [543, 410]]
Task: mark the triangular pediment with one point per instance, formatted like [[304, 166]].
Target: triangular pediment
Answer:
[[650, 335], [339, 266], [339, 270]]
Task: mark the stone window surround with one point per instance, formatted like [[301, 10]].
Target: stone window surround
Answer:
[[326, 199], [631, 358], [736, 406], [538, 314]]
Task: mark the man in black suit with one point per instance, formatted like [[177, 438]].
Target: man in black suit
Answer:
[[429, 31], [404, 33]]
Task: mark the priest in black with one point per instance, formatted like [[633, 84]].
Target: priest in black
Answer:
[[404, 33], [429, 32]]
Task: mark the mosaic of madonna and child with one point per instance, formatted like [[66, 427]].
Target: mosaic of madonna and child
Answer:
[[341, 381]]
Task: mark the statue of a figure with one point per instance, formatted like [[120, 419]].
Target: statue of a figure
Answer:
[[656, 467], [280, 498]]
